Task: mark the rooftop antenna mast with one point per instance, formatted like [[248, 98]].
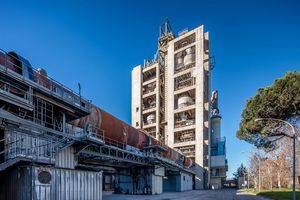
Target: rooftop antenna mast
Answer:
[[79, 91], [165, 30], [165, 35]]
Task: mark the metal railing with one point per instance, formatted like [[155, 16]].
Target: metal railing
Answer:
[[151, 123], [185, 136], [6, 87], [115, 143], [182, 106], [184, 123], [147, 107], [149, 91], [217, 140], [218, 174], [184, 42], [185, 67], [184, 83], [19, 145], [24, 69], [149, 78]]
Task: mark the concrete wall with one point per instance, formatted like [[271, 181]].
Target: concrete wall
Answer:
[[170, 92], [157, 184], [207, 93], [186, 182], [178, 183], [202, 125], [199, 180], [136, 96], [159, 171]]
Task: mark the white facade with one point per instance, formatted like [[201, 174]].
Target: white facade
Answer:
[[173, 105]]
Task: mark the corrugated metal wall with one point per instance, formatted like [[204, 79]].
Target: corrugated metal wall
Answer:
[[27, 183], [16, 184], [65, 158], [69, 185]]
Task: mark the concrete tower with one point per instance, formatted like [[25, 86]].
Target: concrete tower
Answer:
[[170, 96]]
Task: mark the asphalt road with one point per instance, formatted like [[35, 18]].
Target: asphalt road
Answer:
[[228, 194]]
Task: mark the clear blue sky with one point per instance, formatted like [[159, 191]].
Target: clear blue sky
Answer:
[[97, 44]]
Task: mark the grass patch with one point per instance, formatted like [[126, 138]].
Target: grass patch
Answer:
[[283, 194]]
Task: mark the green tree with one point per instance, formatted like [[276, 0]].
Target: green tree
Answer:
[[240, 172], [280, 100]]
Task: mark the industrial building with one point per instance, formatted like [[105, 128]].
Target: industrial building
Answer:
[[171, 99], [55, 144], [218, 163]]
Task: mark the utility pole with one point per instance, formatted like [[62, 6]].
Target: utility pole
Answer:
[[259, 161], [294, 166]]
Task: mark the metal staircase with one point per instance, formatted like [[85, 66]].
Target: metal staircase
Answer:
[[25, 140]]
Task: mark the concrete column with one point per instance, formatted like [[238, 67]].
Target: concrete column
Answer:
[[157, 179], [170, 115], [157, 103], [199, 70], [136, 97]]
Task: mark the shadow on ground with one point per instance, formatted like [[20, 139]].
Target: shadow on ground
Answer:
[[226, 194]]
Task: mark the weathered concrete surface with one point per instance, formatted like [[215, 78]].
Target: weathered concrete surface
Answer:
[[228, 194]]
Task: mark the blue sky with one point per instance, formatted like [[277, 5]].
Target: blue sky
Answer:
[[97, 44]]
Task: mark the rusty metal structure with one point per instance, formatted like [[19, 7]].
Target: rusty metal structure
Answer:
[[44, 122]]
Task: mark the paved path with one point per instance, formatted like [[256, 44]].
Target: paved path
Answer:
[[228, 194]]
